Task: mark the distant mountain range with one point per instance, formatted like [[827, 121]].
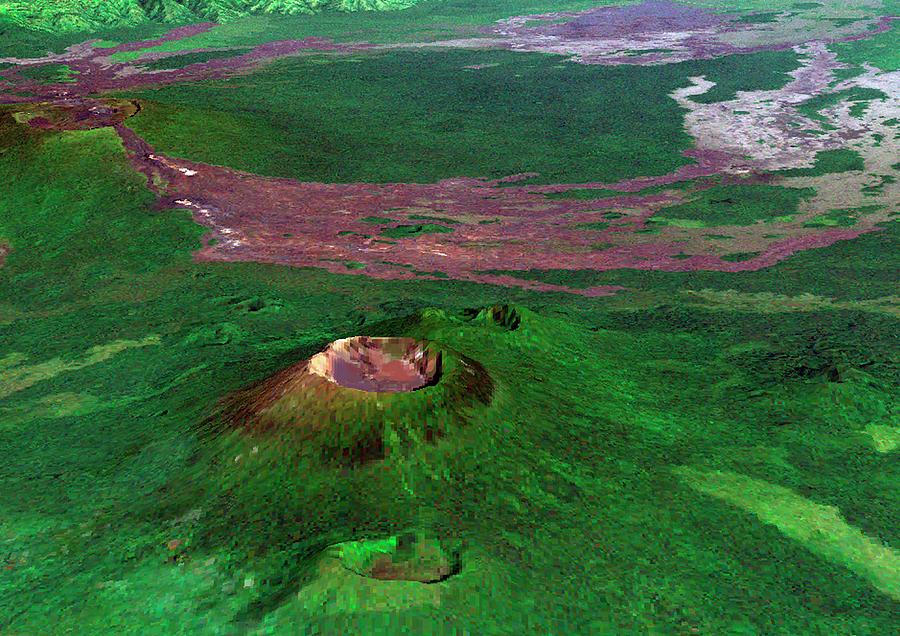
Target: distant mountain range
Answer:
[[86, 15]]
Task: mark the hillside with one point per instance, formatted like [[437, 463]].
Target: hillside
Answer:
[[85, 15]]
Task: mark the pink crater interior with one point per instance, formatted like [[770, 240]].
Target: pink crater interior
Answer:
[[389, 365]]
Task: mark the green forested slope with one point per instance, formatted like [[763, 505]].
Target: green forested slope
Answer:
[[84, 15]]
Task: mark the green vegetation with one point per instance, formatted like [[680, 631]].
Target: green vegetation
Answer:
[[426, 21], [829, 162], [180, 61], [429, 20], [842, 74], [118, 354], [377, 219], [881, 51], [740, 257], [585, 194], [74, 15], [20, 41], [856, 270], [843, 217], [736, 205], [84, 15], [417, 117], [858, 95], [696, 431], [768, 71], [439, 219], [819, 527], [62, 16], [878, 187], [404, 231], [47, 73]]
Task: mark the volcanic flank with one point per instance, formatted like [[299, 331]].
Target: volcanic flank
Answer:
[[341, 400]]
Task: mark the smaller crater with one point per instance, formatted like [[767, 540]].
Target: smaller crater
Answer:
[[405, 557]]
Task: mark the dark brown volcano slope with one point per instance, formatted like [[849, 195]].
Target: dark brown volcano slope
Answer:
[[341, 399]]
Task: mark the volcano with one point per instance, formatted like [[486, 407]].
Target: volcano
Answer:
[[341, 400], [388, 365]]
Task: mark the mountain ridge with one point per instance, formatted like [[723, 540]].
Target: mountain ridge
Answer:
[[86, 15]]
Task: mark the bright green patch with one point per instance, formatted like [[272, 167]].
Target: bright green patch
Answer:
[[820, 528], [885, 438], [21, 377], [48, 73], [842, 74]]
